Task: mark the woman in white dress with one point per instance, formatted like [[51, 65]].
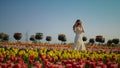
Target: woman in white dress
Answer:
[[78, 41]]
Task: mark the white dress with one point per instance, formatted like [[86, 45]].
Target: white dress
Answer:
[[78, 42]]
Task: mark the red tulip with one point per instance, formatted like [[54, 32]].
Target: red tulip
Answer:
[[72, 60], [41, 55], [9, 64], [60, 66], [119, 65], [94, 60], [9, 61], [107, 60], [24, 66], [100, 64], [21, 62], [13, 58], [64, 62], [68, 65], [113, 58], [17, 66], [30, 61], [37, 64], [20, 55], [32, 57], [53, 59], [114, 65], [113, 55], [93, 65], [4, 55], [53, 66], [46, 61], [88, 58], [4, 65], [48, 57], [78, 59], [100, 59], [59, 57], [48, 65], [1, 59], [79, 66], [69, 62], [58, 63], [81, 61], [88, 62], [74, 64], [109, 64]]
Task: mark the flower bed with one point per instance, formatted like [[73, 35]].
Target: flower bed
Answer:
[[57, 56]]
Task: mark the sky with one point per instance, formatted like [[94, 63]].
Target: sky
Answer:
[[53, 17]]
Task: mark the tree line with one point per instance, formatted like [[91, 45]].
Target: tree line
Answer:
[[34, 38], [61, 37], [100, 39]]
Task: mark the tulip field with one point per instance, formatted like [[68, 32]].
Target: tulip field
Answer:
[[24, 55]]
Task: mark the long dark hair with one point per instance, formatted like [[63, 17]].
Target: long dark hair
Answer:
[[77, 23]]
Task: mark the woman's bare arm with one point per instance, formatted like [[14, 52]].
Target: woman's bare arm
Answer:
[[82, 29]]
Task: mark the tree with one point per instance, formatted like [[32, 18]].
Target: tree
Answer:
[[39, 36], [48, 38], [84, 38], [115, 41], [17, 36], [109, 42], [100, 39], [92, 41], [1, 36], [62, 38], [103, 40], [32, 38], [6, 37]]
